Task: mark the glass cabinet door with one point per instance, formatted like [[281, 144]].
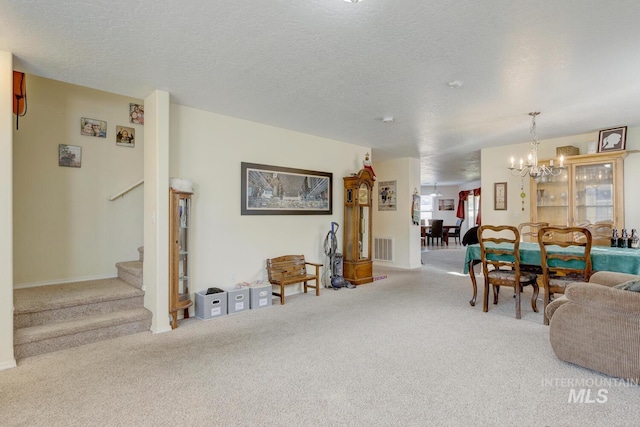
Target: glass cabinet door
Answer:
[[594, 193], [552, 199]]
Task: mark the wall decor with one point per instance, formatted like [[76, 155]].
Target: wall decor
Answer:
[[69, 156], [125, 137], [446, 205], [136, 114], [93, 127], [500, 196], [387, 196], [276, 190], [612, 139], [415, 208]]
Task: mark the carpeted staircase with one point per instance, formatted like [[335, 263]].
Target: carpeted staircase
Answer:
[[54, 317]]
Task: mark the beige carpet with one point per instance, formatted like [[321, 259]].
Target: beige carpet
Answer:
[[404, 351]]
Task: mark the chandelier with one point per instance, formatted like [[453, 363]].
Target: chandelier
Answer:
[[532, 167], [435, 192]]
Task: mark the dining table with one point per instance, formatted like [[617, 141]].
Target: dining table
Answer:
[[603, 258], [445, 232]]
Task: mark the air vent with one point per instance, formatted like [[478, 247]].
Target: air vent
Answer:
[[382, 249]]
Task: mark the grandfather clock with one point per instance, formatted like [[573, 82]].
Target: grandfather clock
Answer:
[[358, 192]]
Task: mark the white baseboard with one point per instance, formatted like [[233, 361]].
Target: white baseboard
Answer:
[[8, 365]]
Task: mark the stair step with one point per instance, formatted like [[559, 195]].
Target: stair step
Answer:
[[56, 336], [47, 304], [130, 272]]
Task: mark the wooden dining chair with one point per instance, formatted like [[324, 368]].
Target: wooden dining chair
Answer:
[[436, 232], [601, 233], [565, 256], [529, 230], [500, 255]]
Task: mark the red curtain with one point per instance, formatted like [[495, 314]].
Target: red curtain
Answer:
[[462, 196], [476, 192]]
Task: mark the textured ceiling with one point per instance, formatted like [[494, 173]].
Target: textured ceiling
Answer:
[[335, 69]]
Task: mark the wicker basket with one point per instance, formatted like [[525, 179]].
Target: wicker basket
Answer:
[[567, 150]]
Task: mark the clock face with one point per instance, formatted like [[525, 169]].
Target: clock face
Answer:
[[363, 195]]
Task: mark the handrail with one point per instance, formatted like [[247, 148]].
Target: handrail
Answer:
[[125, 191]]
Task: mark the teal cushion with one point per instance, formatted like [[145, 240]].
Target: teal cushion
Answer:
[[631, 285]]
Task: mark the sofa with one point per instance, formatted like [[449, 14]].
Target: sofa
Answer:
[[597, 326]]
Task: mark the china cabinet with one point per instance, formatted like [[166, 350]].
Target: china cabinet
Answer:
[[589, 189], [179, 220], [358, 192]]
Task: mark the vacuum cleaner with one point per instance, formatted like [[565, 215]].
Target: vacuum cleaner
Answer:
[[335, 259]]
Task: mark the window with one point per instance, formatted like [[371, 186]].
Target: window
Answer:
[[473, 205], [426, 208]]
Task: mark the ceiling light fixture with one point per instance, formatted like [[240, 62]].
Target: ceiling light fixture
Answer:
[[435, 192], [352, 1], [532, 167]]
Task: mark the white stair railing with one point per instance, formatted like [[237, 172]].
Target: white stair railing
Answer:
[[126, 190]]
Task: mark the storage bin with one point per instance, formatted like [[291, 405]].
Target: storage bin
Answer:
[[210, 306], [260, 295], [238, 300]]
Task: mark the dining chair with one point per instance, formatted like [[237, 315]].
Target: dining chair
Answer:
[[565, 256], [601, 233], [500, 255], [456, 231], [435, 232], [529, 230]]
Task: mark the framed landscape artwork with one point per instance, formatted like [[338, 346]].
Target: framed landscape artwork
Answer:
[[276, 190]]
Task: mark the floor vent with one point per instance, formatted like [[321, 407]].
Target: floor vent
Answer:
[[382, 249]]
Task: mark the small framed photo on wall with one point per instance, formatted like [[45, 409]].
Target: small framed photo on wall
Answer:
[[125, 136], [612, 139], [500, 196]]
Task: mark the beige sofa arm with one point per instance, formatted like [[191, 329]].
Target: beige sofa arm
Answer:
[[603, 298], [611, 278]]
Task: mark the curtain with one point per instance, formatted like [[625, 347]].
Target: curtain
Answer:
[[476, 192], [462, 196]]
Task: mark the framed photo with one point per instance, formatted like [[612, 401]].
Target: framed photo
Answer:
[[445, 205], [136, 114], [93, 127], [125, 137], [276, 190], [69, 156], [612, 139], [500, 196], [387, 196]]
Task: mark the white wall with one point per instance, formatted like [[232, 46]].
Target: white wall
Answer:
[[64, 226], [398, 224], [226, 247], [7, 359], [494, 162]]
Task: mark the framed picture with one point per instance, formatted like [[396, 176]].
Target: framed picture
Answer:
[[500, 196], [136, 114], [612, 139], [69, 156], [387, 196], [125, 137], [445, 205], [276, 190], [93, 127]]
